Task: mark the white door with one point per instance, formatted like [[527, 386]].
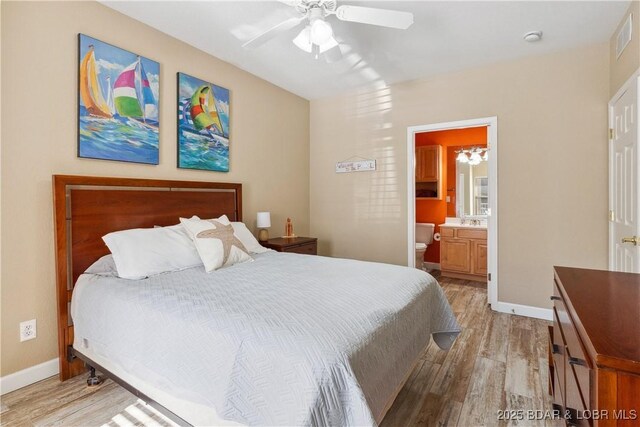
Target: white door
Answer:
[[624, 182]]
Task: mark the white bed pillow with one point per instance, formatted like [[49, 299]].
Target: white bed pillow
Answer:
[[144, 252], [247, 238], [216, 242]]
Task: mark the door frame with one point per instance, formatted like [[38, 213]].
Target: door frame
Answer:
[[492, 239], [633, 79]]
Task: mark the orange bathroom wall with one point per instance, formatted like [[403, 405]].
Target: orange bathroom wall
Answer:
[[436, 211]]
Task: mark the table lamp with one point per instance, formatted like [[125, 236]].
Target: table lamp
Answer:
[[264, 222]]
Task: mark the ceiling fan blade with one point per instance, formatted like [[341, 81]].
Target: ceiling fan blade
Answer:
[[292, 3], [373, 16], [273, 32]]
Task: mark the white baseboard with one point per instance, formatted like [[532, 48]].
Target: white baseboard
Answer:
[[523, 310], [431, 265], [31, 375]]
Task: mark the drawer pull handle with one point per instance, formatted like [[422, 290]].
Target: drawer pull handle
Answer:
[[576, 361], [555, 349], [555, 298]]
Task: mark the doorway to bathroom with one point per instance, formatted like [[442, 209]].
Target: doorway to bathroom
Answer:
[[452, 183]]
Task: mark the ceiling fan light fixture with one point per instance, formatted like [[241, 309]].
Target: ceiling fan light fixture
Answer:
[[321, 32], [330, 44], [303, 39]]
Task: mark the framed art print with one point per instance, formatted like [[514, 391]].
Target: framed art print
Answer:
[[203, 125], [118, 99]]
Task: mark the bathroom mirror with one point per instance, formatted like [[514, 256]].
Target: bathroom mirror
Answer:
[[472, 188]]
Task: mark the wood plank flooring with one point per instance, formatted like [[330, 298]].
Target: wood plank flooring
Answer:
[[498, 362]]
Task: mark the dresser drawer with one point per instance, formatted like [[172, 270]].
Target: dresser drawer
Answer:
[[575, 351], [558, 350], [469, 233], [298, 245], [308, 249], [446, 232], [578, 385], [576, 410]]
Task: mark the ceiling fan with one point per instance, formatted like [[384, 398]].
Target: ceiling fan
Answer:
[[317, 36]]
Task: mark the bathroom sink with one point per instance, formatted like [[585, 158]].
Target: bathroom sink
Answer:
[[463, 226], [457, 222]]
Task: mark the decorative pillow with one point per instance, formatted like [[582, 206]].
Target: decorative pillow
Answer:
[[243, 234], [144, 252], [247, 238], [216, 243]]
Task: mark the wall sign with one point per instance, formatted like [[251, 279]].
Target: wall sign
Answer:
[[356, 166]]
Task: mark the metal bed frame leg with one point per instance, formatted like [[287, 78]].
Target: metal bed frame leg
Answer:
[[93, 379]]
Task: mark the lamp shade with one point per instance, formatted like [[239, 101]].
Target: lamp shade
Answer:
[[303, 41], [264, 219], [475, 158], [321, 32]]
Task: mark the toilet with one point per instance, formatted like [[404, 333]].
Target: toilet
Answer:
[[424, 237]]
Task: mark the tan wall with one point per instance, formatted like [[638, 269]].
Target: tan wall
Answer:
[[552, 164], [621, 68], [269, 146]]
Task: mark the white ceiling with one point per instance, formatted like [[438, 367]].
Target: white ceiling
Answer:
[[445, 37]]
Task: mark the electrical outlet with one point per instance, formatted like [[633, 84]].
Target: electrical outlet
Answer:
[[27, 330]]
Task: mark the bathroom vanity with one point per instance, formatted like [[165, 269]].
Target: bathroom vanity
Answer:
[[463, 251]]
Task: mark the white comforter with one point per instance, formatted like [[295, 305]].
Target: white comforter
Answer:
[[285, 340]]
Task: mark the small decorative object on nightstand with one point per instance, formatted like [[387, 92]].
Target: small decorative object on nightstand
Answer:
[[263, 222], [288, 229], [298, 245]]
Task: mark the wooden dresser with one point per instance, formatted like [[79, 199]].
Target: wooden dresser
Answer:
[[594, 349]]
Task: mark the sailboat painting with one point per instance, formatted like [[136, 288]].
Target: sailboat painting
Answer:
[[203, 125], [117, 104]]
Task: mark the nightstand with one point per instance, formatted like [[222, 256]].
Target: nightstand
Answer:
[[298, 245]]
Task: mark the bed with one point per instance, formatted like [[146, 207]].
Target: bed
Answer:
[[287, 339]]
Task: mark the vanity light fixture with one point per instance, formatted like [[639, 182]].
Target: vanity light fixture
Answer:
[[473, 155], [475, 158], [462, 157]]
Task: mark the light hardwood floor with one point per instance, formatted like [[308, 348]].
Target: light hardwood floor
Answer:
[[498, 362]]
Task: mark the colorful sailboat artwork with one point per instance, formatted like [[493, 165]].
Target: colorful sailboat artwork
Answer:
[[203, 125], [90, 89], [118, 104], [132, 93]]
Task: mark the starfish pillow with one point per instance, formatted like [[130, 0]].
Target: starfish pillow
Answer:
[[216, 243]]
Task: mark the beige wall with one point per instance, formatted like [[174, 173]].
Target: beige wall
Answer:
[[552, 164], [269, 147], [621, 68]]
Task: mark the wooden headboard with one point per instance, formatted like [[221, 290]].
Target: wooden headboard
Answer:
[[86, 208]]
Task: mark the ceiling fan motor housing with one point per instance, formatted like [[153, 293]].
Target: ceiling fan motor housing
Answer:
[[327, 6]]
